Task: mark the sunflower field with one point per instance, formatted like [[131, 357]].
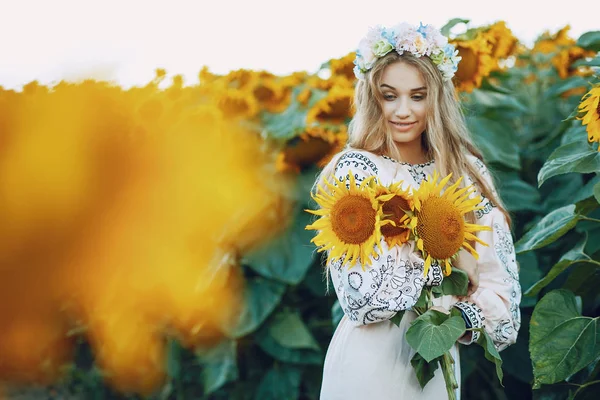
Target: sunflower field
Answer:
[[153, 241]]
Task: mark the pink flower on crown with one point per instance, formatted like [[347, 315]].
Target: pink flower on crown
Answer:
[[435, 37]]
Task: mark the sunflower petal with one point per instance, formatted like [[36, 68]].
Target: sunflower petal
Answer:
[[427, 265]]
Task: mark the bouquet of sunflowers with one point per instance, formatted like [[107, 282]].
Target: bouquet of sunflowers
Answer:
[[352, 221]]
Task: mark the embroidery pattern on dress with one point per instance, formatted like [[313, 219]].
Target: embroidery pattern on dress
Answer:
[[473, 314], [504, 248]]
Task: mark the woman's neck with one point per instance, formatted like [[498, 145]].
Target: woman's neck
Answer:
[[412, 153]]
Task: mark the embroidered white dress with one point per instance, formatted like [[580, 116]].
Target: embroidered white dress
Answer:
[[368, 356]]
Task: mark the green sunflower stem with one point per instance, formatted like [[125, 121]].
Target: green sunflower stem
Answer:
[[447, 364]]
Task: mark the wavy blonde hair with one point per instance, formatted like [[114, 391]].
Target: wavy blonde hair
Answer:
[[445, 140]]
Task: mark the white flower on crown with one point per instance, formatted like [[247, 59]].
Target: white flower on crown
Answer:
[[365, 47]]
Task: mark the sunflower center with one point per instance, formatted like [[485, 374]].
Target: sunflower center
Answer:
[[468, 66], [442, 227], [353, 219], [305, 153], [338, 111], [394, 210]]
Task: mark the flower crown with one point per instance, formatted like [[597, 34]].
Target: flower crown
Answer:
[[422, 41]]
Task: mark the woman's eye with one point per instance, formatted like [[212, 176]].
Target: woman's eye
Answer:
[[418, 98], [389, 97]]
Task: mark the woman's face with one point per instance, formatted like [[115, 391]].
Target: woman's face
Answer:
[[404, 102]]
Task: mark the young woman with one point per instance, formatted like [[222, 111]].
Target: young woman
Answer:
[[407, 124]]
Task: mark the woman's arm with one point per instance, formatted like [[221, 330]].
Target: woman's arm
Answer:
[[394, 279], [495, 304]]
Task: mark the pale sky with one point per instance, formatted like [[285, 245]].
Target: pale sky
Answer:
[[126, 40]]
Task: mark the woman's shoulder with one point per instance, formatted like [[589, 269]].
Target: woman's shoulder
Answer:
[[479, 165]]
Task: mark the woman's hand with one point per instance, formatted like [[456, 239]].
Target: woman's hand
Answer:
[[468, 264]]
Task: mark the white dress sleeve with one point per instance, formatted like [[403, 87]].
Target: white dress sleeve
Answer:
[[394, 279], [495, 304]]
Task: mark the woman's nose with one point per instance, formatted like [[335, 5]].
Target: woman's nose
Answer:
[[402, 110]]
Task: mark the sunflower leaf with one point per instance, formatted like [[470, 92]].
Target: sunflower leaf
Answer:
[[590, 41], [287, 257], [576, 156], [490, 352], [550, 228], [286, 338], [292, 121], [562, 341], [424, 370], [219, 365], [496, 141], [280, 382], [575, 255], [261, 296], [597, 192], [433, 333], [456, 283], [445, 30], [397, 318]]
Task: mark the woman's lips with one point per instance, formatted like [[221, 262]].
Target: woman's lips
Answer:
[[401, 126]]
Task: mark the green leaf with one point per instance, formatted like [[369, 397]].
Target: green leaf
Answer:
[[496, 100], [289, 331], [571, 157], [397, 318], [219, 365], [445, 30], [584, 207], [261, 296], [287, 257], [594, 62], [587, 190], [575, 255], [336, 313], [517, 194], [562, 341], [564, 85], [299, 349], [550, 228], [433, 333], [490, 352], [597, 192], [495, 141], [424, 370], [590, 41], [173, 359], [292, 121], [529, 274], [456, 283], [282, 382], [422, 300]]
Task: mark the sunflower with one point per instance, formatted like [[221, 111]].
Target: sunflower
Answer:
[[564, 60], [397, 206], [504, 43], [440, 228], [350, 220], [335, 108], [315, 146], [237, 103], [343, 66], [270, 95], [548, 43], [590, 105], [477, 62]]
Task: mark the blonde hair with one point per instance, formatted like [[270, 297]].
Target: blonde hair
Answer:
[[445, 140]]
